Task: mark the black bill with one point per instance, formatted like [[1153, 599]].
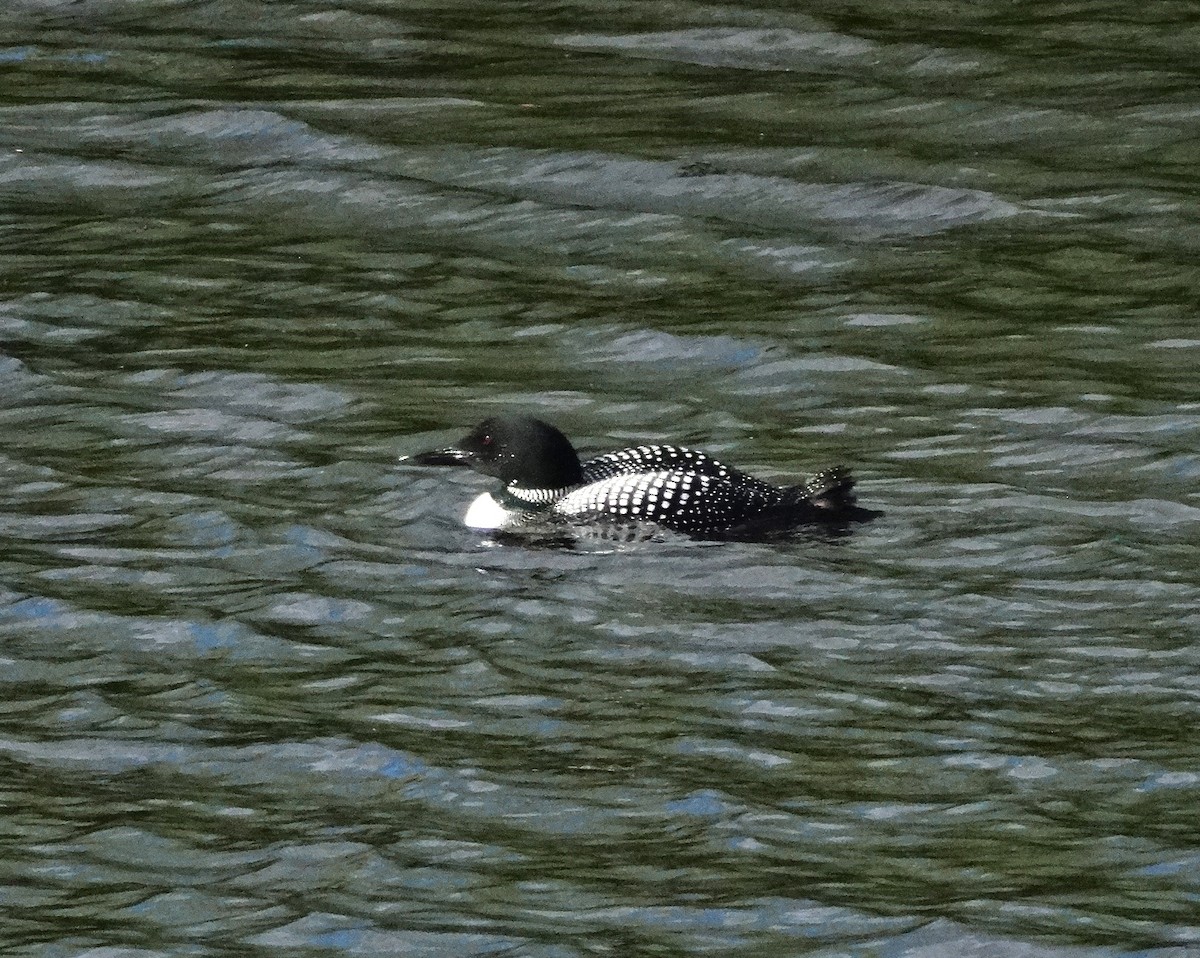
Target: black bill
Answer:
[[439, 457]]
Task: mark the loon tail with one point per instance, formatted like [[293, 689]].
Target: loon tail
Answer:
[[830, 490], [826, 501]]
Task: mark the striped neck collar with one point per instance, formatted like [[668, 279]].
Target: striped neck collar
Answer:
[[534, 497]]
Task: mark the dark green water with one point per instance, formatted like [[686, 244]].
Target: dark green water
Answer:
[[264, 695]]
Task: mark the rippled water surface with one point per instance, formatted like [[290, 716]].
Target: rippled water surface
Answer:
[[263, 693]]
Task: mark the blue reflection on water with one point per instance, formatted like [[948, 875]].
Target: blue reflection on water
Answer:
[[37, 607], [704, 803]]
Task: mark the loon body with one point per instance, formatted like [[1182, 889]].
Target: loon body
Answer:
[[680, 489]]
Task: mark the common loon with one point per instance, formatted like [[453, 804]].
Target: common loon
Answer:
[[678, 488]]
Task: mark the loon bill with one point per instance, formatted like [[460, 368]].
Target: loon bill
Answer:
[[677, 488]]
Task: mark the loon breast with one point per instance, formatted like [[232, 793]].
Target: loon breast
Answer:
[[485, 513]]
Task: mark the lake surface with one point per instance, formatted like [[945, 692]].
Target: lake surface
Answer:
[[264, 695]]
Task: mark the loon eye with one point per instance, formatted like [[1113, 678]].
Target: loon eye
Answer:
[[487, 440]]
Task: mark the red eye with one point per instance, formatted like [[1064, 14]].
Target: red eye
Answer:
[[487, 440]]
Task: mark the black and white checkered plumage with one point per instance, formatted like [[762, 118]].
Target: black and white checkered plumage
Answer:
[[678, 488]]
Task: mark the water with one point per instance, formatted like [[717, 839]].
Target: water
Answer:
[[264, 695]]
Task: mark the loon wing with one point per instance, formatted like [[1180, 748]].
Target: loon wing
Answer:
[[702, 504], [680, 499]]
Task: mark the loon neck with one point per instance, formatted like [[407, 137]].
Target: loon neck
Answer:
[[520, 495]]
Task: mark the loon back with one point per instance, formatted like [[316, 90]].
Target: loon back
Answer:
[[691, 492], [674, 487]]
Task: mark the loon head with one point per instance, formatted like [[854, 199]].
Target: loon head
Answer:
[[520, 450]]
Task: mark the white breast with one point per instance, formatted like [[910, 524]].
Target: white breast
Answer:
[[486, 513]]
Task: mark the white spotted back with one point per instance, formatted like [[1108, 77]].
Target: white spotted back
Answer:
[[683, 498]]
